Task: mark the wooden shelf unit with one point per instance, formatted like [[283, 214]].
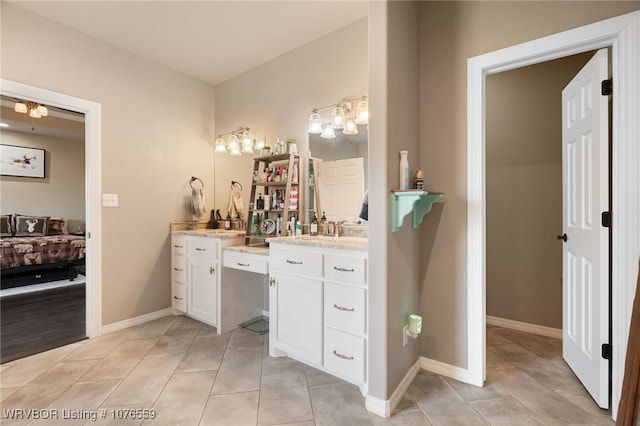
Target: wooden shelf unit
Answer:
[[283, 190]]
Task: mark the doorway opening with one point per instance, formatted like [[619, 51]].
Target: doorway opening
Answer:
[[43, 253], [622, 34], [92, 188], [524, 214]]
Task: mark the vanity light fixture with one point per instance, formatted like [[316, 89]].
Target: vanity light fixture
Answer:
[[340, 116], [34, 109], [238, 142]]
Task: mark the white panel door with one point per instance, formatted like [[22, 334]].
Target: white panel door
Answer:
[[342, 188], [203, 291], [585, 182]]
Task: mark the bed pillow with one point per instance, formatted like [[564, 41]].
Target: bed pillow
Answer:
[[56, 226], [31, 226], [5, 226]]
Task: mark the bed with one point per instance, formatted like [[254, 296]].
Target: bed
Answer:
[[29, 254]]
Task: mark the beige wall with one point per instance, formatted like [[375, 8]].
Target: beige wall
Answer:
[[451, 32], [524, 191], [157, 126], [60, 193], [275, 99]]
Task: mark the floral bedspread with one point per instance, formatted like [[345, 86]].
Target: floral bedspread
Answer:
[[21, 251]]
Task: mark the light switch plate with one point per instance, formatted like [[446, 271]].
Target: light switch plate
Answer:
[[109, 200]]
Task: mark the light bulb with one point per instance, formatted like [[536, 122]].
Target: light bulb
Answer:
[[247, 138], [235, 151], [220, 145], [350, 127], [260, 143], [362, 112], [43, 110], [328, 132], [21, 107], [247, 146], [337, 117], [233, 143], [315, 123], [34, 113]]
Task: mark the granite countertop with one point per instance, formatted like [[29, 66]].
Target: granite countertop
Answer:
[[253, 249], [212, 233], [349, 243]]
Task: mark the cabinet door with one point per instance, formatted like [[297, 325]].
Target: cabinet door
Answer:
[[203, 290], [295, 306]]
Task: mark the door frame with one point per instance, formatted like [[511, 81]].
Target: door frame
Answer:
[[93, 184], [622, 35]]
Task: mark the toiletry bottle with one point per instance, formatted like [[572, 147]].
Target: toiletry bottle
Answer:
[[294, 173], [313, 228], [267, 202], [279, 225], [298, 228], [260, 202], [403, 177], [289, 231], [227, 222]]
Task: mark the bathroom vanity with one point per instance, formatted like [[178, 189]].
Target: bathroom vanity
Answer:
[[196, 274], [318, 303]]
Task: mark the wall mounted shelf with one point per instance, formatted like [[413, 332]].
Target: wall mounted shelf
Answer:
[[404, 202]]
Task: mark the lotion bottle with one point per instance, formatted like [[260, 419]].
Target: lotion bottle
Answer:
[[403, 177]]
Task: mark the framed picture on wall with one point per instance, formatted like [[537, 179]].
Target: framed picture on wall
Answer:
[[21, 161]]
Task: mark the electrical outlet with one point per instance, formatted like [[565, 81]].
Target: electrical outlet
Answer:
[[109, 200], [405, 338]]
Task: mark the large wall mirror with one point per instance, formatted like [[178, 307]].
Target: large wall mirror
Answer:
[[339, 167]]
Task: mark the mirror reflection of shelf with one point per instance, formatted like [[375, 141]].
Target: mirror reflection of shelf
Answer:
[[413, 200]]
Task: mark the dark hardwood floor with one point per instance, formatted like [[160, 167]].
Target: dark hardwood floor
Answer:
[[42, 320]]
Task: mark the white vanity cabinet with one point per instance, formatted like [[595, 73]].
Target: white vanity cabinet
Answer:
[[318, 305], [295, 303], [196, 273]]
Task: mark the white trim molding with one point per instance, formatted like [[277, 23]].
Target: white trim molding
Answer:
[[93, 184], [141, 319], [444, 369], [384, 408], [622, 35], [540, 330]]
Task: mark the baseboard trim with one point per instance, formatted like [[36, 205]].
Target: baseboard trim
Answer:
[[526, 327], [110, 328], [384, 408], [444, 369]]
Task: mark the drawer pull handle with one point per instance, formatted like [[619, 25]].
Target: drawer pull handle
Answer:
[[177, 298], [177, 246], [337, 268], [200, 249], [211, 270], [342, 356], [178, 269], [294, 262], [243, 264], [342, 308]]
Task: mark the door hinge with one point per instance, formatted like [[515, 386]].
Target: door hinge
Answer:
[[606, 219], [607, 87], [606, 351]]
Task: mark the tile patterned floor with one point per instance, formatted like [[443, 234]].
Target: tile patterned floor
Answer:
[[189, 375]]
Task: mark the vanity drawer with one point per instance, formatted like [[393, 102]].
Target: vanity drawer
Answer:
[[246, 263], [346, 269], [202, 248], [179, 297], [178, 245], [345, 307], [344, 354], [304, 263], [179, 269]]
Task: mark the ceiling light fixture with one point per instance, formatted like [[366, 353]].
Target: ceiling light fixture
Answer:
[[238, 142], [34, 109], [340, 117]]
